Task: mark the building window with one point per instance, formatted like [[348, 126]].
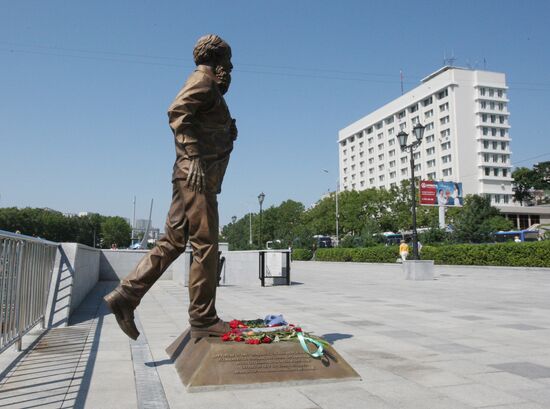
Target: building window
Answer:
[[390, 131], [362, 164], [431, 163], [446, 158], [487, 171], [389, 120], [485, 157], [504, 173], [380, 146], [380, 135], [371, 150], [444, 120], [485, 130], [404, 159], [445, 146], [404, 171], [401, 115], [445, 132], [416, 155], [447, 172], [402, 126], [500, 93], [483, 104], [431, 176], [497, 198], [443, 94], [430, 138], [429, 126], [391, 142], [493, 119], [392, 164], [506, 199], [381, 167], [493, 131], [369, 130], [495, 171], [415, 120], [413, 108], [429, 114], [444, 107], [378, 125], [501, 119], [417, 167], [430, 151], [381, 156], [371, 181], [381, 178], [503, 145], [491, 92], [502, 132], [370, 140], [484, 117], [486, 144], [392, 175], [482, 92], [371, 171], [427, 101], [392, 153]]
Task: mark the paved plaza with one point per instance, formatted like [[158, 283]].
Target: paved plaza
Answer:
[[472, 338]]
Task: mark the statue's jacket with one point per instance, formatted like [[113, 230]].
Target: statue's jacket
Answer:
[[201, 122]]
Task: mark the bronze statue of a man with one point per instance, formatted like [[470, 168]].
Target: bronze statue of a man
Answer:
[[204, 133]]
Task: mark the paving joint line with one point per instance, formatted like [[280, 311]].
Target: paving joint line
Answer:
[[149, 390]]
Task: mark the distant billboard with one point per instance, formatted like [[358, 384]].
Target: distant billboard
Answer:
[[434, 193]]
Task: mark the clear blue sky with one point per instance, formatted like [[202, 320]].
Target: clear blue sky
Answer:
[[85, 86]]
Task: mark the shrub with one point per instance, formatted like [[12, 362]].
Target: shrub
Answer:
[[535, 254], [374, 254], [302, 254]]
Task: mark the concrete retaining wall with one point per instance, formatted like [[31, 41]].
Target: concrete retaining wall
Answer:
[[75, 273]]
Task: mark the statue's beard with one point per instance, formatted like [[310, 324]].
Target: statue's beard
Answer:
[[225, 78]]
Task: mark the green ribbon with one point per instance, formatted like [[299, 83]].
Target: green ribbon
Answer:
[[303, 340]]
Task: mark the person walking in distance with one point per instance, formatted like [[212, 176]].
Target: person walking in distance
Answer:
[[204, 132], [403, 250]]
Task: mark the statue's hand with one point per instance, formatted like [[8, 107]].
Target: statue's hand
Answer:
[[196, 179], [233, 129]]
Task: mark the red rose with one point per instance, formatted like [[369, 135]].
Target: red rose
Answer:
[[298, 329], [226, 337], [234, 323], [239, 339], [252, 341], [266, 340]]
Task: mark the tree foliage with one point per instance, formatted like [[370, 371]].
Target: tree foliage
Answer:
[[55, 226]]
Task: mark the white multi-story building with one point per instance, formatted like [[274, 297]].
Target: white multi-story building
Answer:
[[466, 137]]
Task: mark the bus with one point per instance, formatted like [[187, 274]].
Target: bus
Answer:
[[523, 235]]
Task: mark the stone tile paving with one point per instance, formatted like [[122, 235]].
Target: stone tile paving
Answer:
[[472, 338]]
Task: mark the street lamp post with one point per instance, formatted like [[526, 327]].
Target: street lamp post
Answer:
[[418, 132], [261, 198]]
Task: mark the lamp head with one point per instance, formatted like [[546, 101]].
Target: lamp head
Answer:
[[402, 138], [418, 131], [261, 198]]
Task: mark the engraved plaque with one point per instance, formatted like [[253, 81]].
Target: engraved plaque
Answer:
[[209, 363]]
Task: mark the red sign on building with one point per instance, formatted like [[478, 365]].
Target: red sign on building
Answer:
[[428, 192]]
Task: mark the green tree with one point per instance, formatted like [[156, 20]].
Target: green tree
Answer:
[[525, 180], [115, 230], [477, 220]]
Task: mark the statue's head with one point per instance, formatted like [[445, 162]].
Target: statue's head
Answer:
[[213, 51]]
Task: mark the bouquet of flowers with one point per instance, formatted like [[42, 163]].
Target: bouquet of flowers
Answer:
[[272, 329]]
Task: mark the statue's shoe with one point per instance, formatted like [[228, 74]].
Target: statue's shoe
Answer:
[[124, 313], [215, 330]]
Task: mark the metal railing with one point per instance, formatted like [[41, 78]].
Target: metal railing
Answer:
[[26, 267]]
